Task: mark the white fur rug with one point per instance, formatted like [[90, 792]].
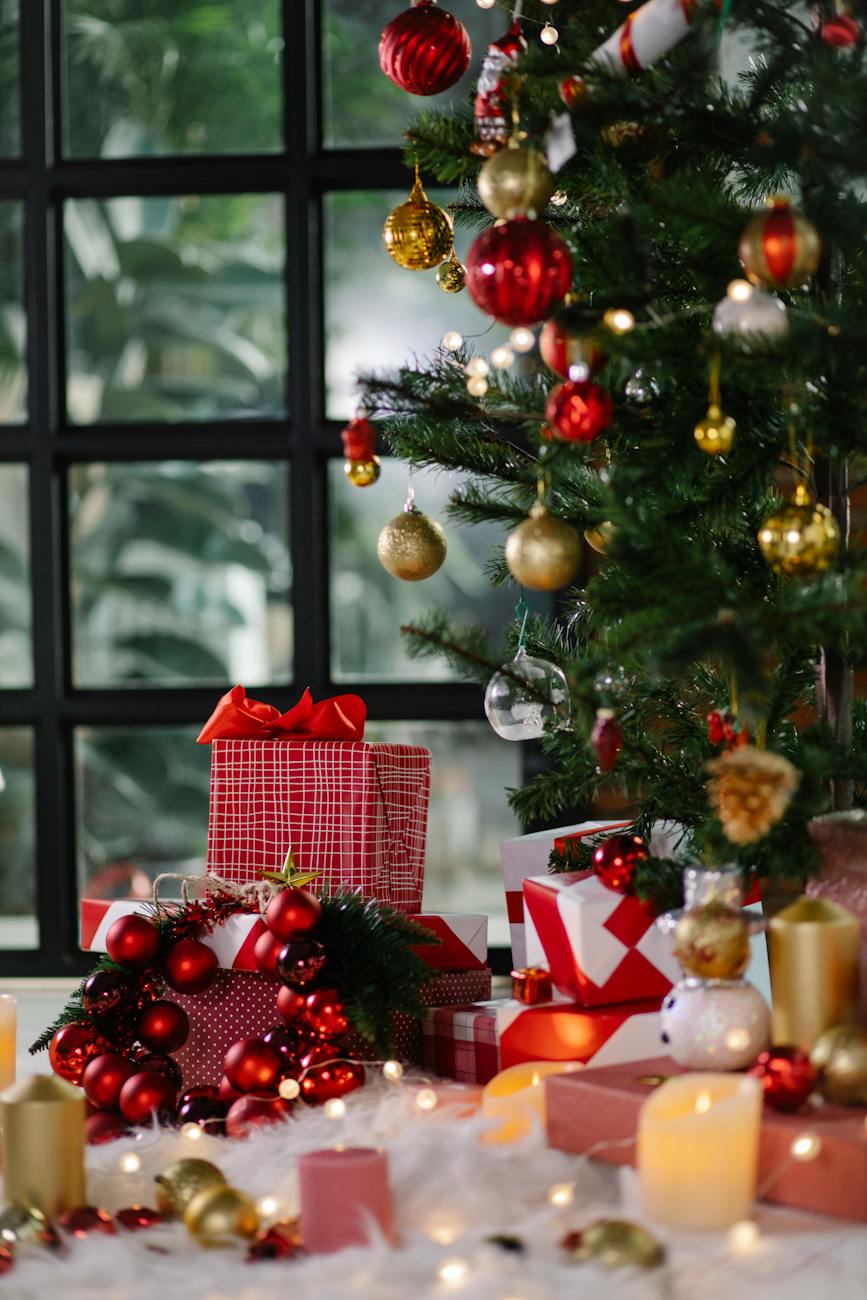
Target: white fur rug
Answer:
[[446, 1184]]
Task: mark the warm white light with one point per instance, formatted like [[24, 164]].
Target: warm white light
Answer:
[[561, 1194], [743, 1237], [549, 2], [443, 1226], [191, 1132], [549, 35], [702, 1103], [334, 1108], [502, 357], [130, 1162], [477, 366], [522, 339], [289, 1089], [619, 320], [739, 290], [806, 1146], [477, 386], [453, 1271], [452, 341], [392, 1070], [737, 1040], [268, 1206], [793, 536], [557, 199], [579, 371], [488, 4], [426, 1099]]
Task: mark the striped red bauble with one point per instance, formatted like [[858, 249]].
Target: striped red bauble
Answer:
[[425, 49]]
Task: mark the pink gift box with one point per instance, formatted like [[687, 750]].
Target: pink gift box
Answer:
[[354, 813], [600, 946]]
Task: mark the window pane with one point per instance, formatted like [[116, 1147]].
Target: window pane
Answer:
[[142, 807], [361, 106], [368, 605], [13, 322], [469, 816], [16, 652], [10, 79], [175, 308], [378, 315], [18, 925], [145, 77], [180, 573]]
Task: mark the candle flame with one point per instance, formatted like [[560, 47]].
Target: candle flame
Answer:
[[703, 1102], [535, 1081]]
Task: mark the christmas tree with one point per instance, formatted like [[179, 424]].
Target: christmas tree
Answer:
[[691, 240]]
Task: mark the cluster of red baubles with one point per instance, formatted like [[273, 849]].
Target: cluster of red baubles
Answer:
[[122, 1057]]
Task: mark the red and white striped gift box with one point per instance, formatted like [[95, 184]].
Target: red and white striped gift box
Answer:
[[354, 813]]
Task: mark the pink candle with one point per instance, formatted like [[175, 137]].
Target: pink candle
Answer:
[[344, 1195]]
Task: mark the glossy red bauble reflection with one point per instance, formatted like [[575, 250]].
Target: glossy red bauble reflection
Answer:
[[133, 941], [104, 1126], [615, 860], [107, 993], [103, 1078], [578, 410], [145, 1095], [425, 49], [248, 1113], [322, 1082], [290, 1004], [163, 1026], [208, 1112], [300, 962], [568, 354], [325, 1013], [84, 1220], [72, 1048], [190, 966], [787, 1076], [252, 1065], [136, 1217], [266, 951], [519, 271], [293, 912], [158, 1063]]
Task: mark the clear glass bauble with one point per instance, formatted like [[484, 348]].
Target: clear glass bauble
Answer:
[[612, 683], [715, 1024], [516, 713]]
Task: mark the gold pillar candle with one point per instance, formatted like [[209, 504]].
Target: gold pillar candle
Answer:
[[8, 1029], [43, 1133], [813, 954]]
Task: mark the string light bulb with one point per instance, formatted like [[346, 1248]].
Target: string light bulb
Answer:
[[289, 1089], [334, 1108], [739, 290], [549, 2], [477, 366], [453, 1272], [806, 1146], [619, 320], [502, 357], [130, 1162], [426, 1099], [452, 341], [477, 386], [489, 4], [522, 339], [267, 1206], [191, 1132], [561, 1194], [743, 1237], [549, 34], [393, 1071]]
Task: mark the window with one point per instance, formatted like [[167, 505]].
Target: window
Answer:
[[190, 277]]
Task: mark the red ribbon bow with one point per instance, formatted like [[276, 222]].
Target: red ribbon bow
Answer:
[[237, 717]]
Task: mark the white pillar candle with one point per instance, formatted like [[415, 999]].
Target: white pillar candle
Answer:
[[698, 1141], [8, 1029]]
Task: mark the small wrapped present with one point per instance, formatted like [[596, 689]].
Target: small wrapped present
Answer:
[[601, 947], [473, 1043], [353, 813]]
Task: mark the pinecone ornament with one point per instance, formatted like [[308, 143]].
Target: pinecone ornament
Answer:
[[750, 789]]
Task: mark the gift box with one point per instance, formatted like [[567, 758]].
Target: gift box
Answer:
[[240, 1003], [473, 1043], [597, 1106], [601, 947], [463, 940]]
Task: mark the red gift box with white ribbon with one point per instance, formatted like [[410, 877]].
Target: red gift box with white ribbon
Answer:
[[601, 947]]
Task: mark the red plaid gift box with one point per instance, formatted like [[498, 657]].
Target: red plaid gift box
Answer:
[[600, 946], [473, 1043], [239, 1004], [354, 813]]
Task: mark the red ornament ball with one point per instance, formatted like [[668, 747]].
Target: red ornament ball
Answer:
[[107, 993], [615, 861], [319, 1054], [606, 739], [293, 912], [425, 49], [326, 1013], [145, 1095], [322, 1082], [227, 1093], [84, 1220], [252, 1065], [518, 271], [72, 1048], [290, 1004], [7, 1259], [281, 1241], [198, 1090], [252, 1112], [163, 1026], [136, 1217], [573, 90], [787, 1076], [573, 356], [266, 951], [133, 941], [841, 31], [190, 966], [208, 1112], [578, 410], [158, 1063], [300, 962], [104, 1077], [104, 1126], [288, 1042]]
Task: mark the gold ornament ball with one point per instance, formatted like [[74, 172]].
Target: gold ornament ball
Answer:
[[516, 182], [618, 1243], [412, 546], [361, 473], [716, 432], [218, 1216], [713, 942], [801, 538], [177, 1185], [452, 276], [840, 1058], [544, 552], [601, 537], [418, 234]]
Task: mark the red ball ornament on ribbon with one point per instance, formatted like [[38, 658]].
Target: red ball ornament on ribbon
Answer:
[[293, 912], [252, 1065], [104, 1126], [578, 410], [519, 271], [104, 1077], [190, 966], [72, 1048], [326, 1013], [615, 860], [145, 1095], [249, 1113], [163, 1026], [322, 1082], [841, 31], [787, 1076], [567, 353], [132, 941], [425, 49]]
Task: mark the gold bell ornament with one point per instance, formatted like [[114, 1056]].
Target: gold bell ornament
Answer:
[[544, 552], [452, 275], [418, 234], [716, 432], [412, 546]]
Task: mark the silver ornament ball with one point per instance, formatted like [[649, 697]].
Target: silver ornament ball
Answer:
[[750, 319]]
